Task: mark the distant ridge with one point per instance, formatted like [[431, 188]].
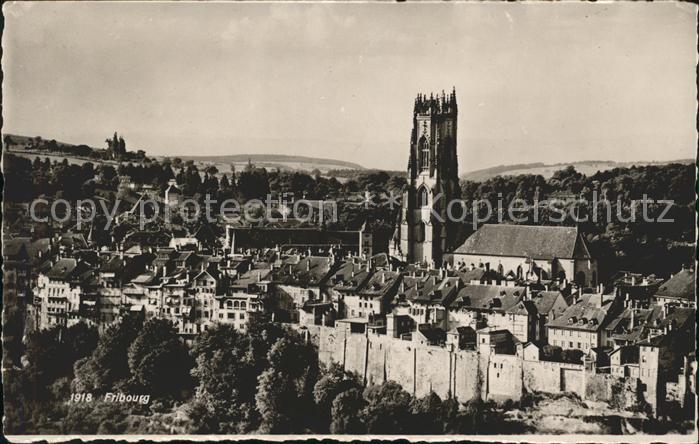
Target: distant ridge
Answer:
[[587, 167], [281, 161], [273, 158]]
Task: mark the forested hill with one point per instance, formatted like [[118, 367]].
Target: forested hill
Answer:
[[261, 159], [32, 146], [588, 167]]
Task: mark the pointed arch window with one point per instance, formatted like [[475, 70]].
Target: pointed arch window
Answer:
[[421, 232], [424, 153], [422, 197]]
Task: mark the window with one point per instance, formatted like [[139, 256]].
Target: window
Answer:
[[421, 232], [424, 153], [422, 197], [570, 344], [242, 316]]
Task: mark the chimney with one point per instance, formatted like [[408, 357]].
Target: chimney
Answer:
[[633, 281], [402, 287], [596, 299], [164, 270], [633, 319], [308, 264]]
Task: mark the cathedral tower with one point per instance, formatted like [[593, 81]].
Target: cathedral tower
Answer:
[[424, 231]]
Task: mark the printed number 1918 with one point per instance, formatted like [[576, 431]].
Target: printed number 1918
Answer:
[[81, 397]]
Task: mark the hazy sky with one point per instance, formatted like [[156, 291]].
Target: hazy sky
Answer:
[[535, 82]]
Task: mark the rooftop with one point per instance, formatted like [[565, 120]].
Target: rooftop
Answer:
[[537, 242], [680, 286]]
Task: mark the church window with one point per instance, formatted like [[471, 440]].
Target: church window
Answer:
[[424, 153], [421, 232], [422, 197]]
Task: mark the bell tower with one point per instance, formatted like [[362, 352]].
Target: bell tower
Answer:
[[424, 231]]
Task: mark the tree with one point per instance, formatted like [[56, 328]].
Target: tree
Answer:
[[333, 382], [226, 377], [345, 413], [427, 415], [108, 365], [284, 390], [158, 361], [81, 340], [47, 360], [388, 408], [572, 355], [551, 353], [253, 183]]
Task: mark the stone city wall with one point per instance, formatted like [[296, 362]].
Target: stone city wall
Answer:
[[465, 374]]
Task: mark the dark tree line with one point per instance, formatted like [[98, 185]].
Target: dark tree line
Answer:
[[617, 241], [267, 380]]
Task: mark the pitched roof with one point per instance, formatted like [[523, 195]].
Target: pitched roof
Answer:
[[545, 300], [13, 248], [380, 283], [305, 271], [488, 297], [62, 269], [523, 308], [537, 242], [585, 315], [680, 286], [349, 276]]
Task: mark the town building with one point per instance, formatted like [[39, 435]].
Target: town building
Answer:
[[679, 290], [583, 325], [530, 252]]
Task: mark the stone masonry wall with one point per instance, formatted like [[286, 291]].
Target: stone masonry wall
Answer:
[[464, 374]]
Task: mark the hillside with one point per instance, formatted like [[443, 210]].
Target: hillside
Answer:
[[588, 167], [27, 146], [271, 161]]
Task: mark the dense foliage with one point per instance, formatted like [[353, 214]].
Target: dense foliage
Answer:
[[267, 380], [617, 233]]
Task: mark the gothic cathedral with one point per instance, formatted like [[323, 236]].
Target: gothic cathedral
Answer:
[[424, 232]]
